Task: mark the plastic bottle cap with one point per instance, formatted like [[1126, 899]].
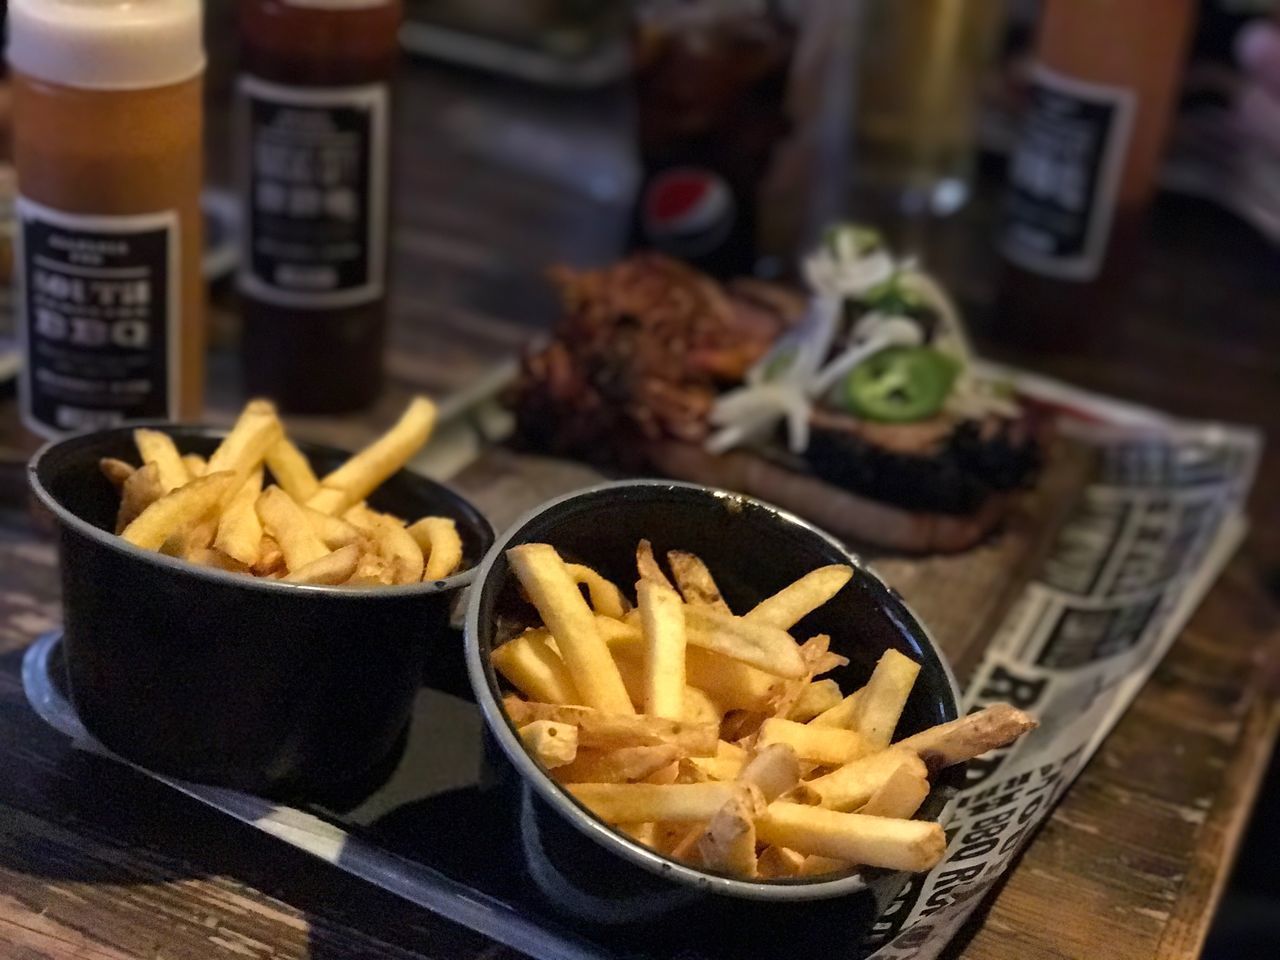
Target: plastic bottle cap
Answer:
[[107, 44]]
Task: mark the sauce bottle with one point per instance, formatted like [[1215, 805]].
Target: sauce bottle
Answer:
[[107, 112], [314, 101], [1084, 170]]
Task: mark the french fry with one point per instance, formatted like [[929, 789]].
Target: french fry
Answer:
[[817, 866], [116, 471], [774, 770], [329, 570], [729, 843], [334, 532], [372, 571], [186, 540], [209, 557], [695, 582], [792, 604], [530, 665], [727, 763], [239, 534], [398, 548], [739, 725], [624, 765], [242, 450], [555, 594], [825, 745], [368, 469], [699, 708], [441, 546], [668, 774], [841, 715], [764, 647], [645, 834], [989, 729], [778, 862], [140, 490], [914, 845], [291, 470], [156, 447], [178, 511], [270, 558], [816, 698], [554, 744], [605, 730], [197, 466], [647, 565], [880, 705], [898, 797], [852, 785], [639, 802], [688, 772], [662, 622], [284, 520], [606, 599]]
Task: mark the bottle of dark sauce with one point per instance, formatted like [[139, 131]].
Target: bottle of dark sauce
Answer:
[[314, 161]]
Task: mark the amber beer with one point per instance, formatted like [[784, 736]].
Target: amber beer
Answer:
[[315, 111], [1084, 170], [107, 144]]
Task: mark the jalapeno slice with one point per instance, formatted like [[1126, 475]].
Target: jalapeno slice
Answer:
[[899, 385]]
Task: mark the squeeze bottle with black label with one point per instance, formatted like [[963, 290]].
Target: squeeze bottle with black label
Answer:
[[107, 128], [1083, 171], [315, 108]]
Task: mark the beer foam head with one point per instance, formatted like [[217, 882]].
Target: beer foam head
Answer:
[[106, 44]]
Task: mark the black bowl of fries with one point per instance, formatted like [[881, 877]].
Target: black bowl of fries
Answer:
[[698, 700], [254, 623]]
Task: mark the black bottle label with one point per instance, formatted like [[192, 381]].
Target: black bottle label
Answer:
[[1064, 174], [99, 316], [315, 193]]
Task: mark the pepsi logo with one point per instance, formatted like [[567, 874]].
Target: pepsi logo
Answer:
[[688, 211]]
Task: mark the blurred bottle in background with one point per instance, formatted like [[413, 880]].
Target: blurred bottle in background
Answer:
[[315, 110], [711, 82], [1083, 170], [921, 68]]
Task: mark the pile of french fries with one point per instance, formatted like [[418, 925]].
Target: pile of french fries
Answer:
[[257, 507], [709, 736]]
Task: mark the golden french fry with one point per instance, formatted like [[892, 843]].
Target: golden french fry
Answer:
[[739, 725], [555, 745], [209, 557], [330, 570], [880, 705], [116, 471], [777, 862], [647, 565], [197, 466], [368, 469], [564, 611], [792, 604], [239, 533], [764, 647], [623, 765], [140, 490], [875, 841], [372, 571], [284, 520], [156, 447], [668, 774], [530, 665], [188, 539], [645, 834], [270, 558], [949, 743], [828, 746], [695, 581], [816, 698], [816, 866], [662, 622], [638, 802], [853, 785], [243, 449], [334, 532], [398, 548], [606, 599], [774, 770], [729, 843], [689, 772], [727, 763], [699, 708], [178, 511], [898, 797], [606, 730], [841, 715], [441, 546], [291, 470]]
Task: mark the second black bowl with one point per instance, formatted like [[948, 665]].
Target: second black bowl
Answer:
[[277, 689]]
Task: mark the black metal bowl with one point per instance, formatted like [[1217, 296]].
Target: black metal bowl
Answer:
[[580, 864], [279, 689]]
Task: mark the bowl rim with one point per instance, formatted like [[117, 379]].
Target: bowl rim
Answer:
[[471, 515], [613, 840]]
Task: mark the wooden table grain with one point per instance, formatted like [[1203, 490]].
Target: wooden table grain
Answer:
[[101, 863]]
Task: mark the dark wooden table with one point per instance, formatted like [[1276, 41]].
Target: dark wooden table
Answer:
[[97, 862]]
